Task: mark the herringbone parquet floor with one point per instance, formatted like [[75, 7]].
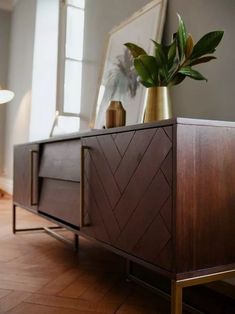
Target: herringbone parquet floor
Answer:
[[40, 275]]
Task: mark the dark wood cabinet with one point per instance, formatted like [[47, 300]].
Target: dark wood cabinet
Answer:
[[128, 192], [159, 194]]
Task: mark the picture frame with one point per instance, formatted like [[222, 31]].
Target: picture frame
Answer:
[[118, 79]]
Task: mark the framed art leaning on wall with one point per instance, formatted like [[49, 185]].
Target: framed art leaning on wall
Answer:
[[119, 80]]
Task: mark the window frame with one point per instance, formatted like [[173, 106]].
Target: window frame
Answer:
[[63, 6]]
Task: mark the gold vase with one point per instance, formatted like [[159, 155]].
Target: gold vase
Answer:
[[158, 104], [115, 115]]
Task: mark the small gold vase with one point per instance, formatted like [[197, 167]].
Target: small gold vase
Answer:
[[158, 104], [115, 115]]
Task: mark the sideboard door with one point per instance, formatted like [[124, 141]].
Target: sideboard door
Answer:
[[128, 192], [26, 175]]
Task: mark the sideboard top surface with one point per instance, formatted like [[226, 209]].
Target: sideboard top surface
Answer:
[[140, 126]]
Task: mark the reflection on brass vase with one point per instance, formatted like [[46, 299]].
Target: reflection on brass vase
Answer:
[[115, 115], [158, 104]]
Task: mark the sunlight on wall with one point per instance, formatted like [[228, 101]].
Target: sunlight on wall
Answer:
[[19, 126], [44, 70], [21, 123]]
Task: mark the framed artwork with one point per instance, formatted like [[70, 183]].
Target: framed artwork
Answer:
[[119, 80]]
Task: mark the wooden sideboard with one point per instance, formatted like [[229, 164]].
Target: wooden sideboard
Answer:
[[160, 194]]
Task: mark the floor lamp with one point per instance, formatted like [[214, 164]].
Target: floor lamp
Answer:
[[5, 96]]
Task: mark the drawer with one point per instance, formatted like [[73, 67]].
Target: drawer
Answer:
[[25, 189], [61, 200], [61, 160]]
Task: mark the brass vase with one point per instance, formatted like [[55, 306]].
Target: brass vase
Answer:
[[115, 115], [158, 104]]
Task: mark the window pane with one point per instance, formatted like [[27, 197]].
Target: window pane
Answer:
[[77, 3], [72, 86], [74, 33]]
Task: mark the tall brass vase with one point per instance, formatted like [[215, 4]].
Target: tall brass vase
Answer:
[[158, 104]]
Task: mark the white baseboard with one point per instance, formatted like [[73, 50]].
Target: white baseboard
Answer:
[[6, 185]]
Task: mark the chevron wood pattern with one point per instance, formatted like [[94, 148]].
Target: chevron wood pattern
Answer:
[[128, 192]]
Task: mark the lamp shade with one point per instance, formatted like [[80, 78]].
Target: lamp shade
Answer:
[[6, 96]]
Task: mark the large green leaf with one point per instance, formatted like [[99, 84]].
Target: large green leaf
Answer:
[[181, 37], [202, 60], [188, 71], [151, 65], [160, 53], [147, 84], [177, 79], [164, 48], [135, 50], [207, 44], [144, 69], [173, 71], [161, 59], [171, 55]]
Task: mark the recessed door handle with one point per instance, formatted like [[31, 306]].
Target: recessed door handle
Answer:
[[82, 186], [31, 178]]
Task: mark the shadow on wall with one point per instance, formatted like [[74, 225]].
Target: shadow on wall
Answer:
[[17, 131], [2, 134], [22, 118]]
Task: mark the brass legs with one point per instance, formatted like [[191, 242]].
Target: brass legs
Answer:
[[14, 218], [178, 285], [49, 230], [176, 298]]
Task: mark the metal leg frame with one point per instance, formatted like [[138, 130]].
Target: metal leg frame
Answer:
[[49, 230], [177, 286], [131, 277]]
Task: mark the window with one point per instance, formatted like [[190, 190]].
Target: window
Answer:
[[70, 57]]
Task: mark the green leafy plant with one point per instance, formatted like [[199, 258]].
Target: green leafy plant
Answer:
[[170, 65]]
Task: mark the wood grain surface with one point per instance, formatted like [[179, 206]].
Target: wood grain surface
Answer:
[[61, 160], [61, 200], [205, 210], [26, 175], [128, 192]]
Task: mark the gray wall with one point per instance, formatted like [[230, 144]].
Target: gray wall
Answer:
[[5, 23], [101, 16], [44, 81], [216, 98], [20, 78]]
